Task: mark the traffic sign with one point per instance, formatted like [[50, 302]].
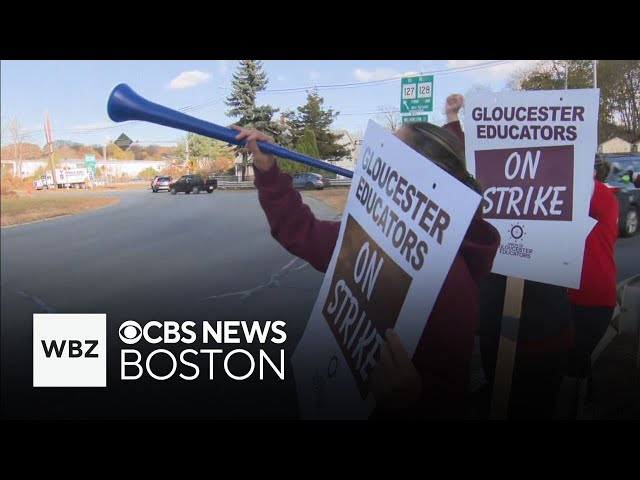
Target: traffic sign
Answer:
[[90, 161], [415, 118], [123, 142], [416, 94]]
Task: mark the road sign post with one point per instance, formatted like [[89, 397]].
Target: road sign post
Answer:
[[416, 94], [90, 161]]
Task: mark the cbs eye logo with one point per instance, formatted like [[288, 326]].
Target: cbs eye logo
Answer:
[[130, 332]]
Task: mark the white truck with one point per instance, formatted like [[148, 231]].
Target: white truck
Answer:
[[65, 178]]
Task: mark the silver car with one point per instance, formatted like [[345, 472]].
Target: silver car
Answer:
[[161, 183], [309, 181]]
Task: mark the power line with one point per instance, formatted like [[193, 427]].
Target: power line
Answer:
[[445, 71]]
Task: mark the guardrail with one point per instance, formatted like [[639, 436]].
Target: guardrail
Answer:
[[237, 185], [226, 185], [340, 182]]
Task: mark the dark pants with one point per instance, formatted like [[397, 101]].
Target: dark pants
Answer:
[[544, 341], [589, 325]]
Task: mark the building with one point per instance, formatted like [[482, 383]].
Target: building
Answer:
[[248, 174], [615, 145], [352, 142], [112, 168]]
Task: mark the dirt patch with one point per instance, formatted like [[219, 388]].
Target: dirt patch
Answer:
[[336, 197], [23, 209]]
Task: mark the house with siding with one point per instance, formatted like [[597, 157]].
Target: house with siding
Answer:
[[614, 145]]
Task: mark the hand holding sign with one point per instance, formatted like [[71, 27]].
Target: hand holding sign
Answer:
[[395, 382]]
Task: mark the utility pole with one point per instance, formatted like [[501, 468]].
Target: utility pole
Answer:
[[187, 152], [566, 76], [595, 74], [47, 129], [106, 174]]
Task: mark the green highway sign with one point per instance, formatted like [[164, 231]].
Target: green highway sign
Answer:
[[416, 94], [90, 161], [415, 118]]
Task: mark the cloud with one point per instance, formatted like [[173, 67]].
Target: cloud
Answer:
[[281, 78], [378, 74], [501, 71], [189, 79], [223, 67], [314, 75]]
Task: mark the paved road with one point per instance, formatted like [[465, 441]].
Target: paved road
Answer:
[[161, 257], [153, 256], [628, 257]]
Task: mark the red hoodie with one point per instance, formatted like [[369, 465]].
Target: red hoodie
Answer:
[[443, 354], [598, 280]]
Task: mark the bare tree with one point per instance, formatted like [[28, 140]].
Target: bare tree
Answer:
[[390, 117], [16, 133]]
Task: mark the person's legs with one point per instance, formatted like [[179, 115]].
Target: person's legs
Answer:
[[490, 322], [536, 380], [589, 324]]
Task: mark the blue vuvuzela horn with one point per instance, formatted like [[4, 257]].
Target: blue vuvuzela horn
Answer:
[[125, 104]]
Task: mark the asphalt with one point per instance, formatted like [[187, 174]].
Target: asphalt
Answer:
[[161, 257], [153, 257]]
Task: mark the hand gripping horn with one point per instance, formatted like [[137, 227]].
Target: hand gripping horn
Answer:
[[125, 104]]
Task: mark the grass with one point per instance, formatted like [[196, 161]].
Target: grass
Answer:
[[15, 210], [335, 197]]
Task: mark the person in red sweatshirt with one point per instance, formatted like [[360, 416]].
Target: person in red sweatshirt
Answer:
[[593, 303], [435, 381]]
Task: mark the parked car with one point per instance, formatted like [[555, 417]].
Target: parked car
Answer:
[[194, 183], [627, 194], [161, 183], [309, 181]]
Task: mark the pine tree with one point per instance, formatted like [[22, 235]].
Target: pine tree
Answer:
[[313, 115], [308, 146], [248, 80]]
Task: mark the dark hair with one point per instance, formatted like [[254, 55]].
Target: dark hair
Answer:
[[602, 168], [444, 149]]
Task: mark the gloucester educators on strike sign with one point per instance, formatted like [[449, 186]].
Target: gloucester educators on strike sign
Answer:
[[568, 115], [433, 220]]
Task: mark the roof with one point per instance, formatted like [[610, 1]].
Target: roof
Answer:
[[615, 138]]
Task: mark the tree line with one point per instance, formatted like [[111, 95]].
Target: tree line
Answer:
[[618, 81]]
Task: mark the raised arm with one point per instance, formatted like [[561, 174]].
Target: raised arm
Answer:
[[452, 106], [292, 222]]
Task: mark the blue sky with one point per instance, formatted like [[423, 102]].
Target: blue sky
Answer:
[[75, 92]]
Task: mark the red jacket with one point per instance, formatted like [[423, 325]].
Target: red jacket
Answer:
[[443, 354], [598, 280]]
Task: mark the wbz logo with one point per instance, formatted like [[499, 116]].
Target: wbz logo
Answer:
[[74, 349], [69, 350]]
